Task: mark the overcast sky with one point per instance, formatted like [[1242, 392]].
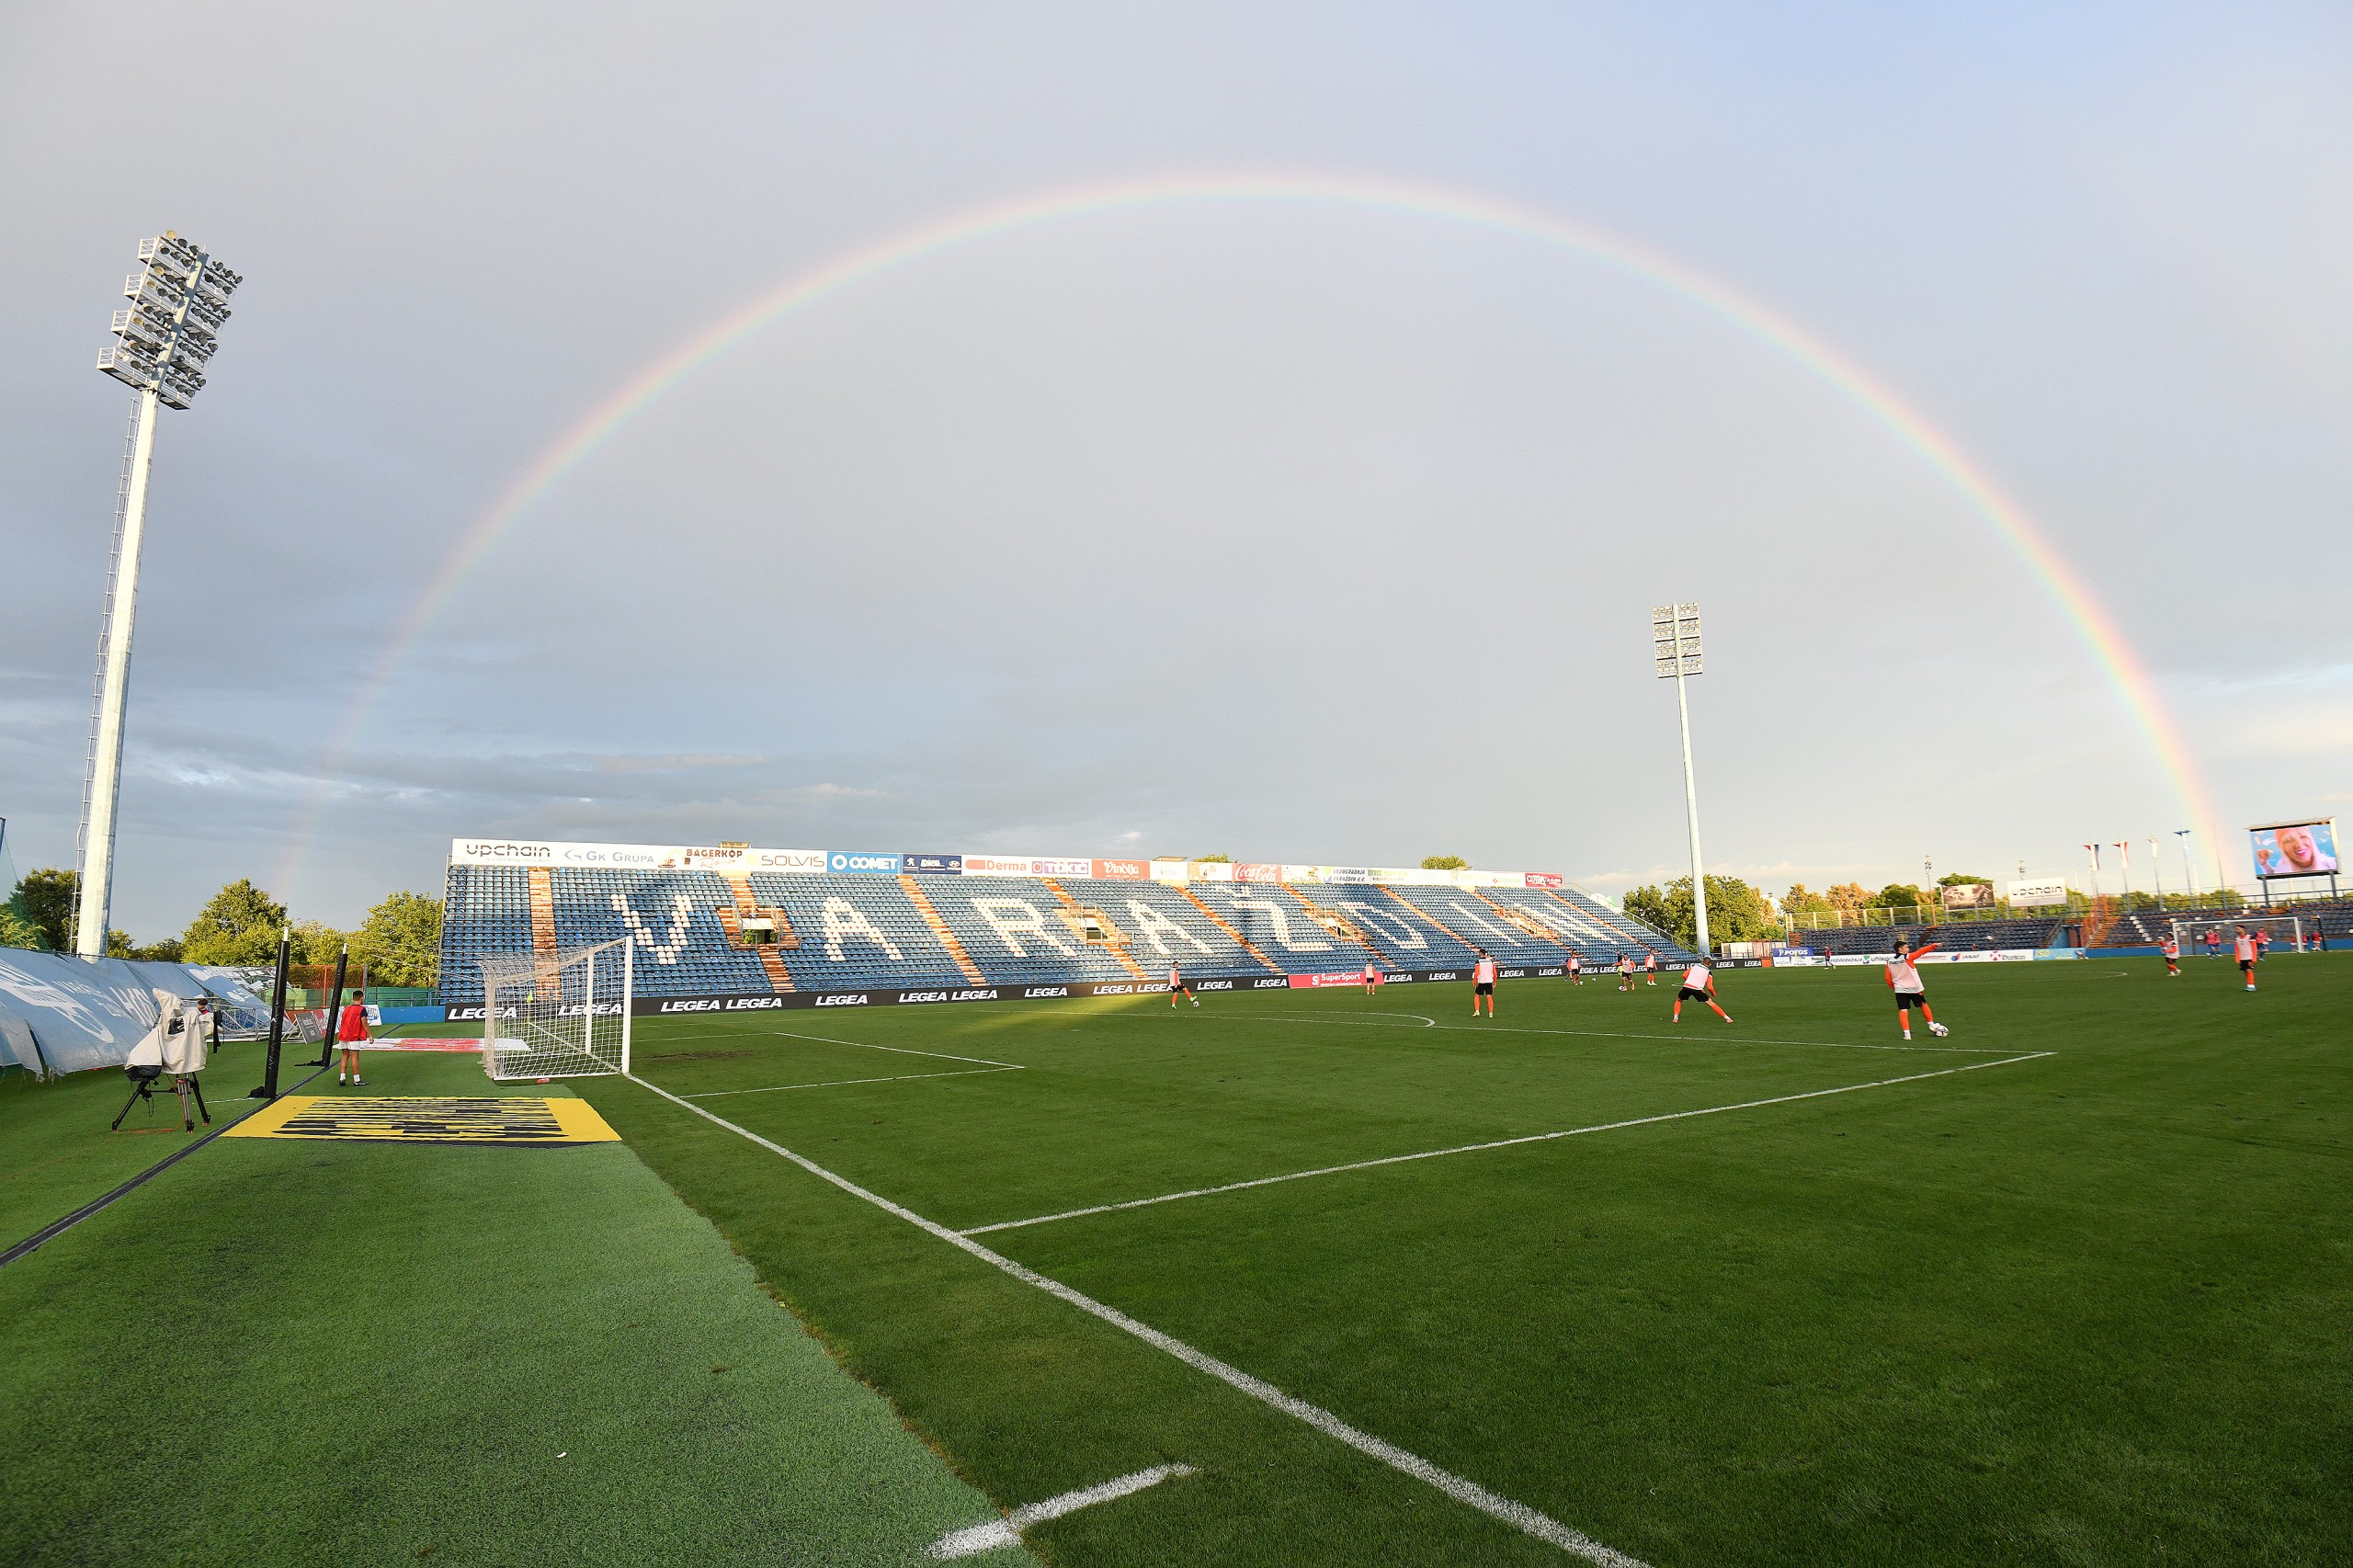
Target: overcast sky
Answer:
[[1283, 529]]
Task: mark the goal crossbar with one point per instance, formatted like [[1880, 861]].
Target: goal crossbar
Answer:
[[558, 1015], [2189, 934]]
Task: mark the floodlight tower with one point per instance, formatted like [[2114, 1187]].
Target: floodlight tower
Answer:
[[1675, 651], [178, 300]]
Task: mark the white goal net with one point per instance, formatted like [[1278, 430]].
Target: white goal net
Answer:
[[559, 1015], [2285, 933]]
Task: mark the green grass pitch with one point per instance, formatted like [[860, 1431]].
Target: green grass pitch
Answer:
[[2070, 1287]]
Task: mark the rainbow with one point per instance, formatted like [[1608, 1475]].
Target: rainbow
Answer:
[[2059, 581]]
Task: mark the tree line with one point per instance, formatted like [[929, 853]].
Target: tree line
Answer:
[[1741, 911], [400, 940]]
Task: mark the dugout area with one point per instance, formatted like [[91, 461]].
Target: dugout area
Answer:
[[2071, 1287]]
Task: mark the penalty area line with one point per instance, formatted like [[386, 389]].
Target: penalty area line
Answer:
[[1520, 1516], [1496, 1144], [1007, 1532], [844, 1083]]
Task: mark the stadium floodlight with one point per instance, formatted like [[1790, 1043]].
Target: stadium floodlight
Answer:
[[179, 298], [1674, 655]]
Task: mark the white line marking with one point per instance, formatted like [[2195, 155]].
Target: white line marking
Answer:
[[1520, 1516], [869, 1045], [1601, 1034], [1481, 1148], [842, 1082], [1007, 1532], [1311, 1018]]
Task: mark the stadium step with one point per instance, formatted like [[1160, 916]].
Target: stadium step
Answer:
[[543, 910], [1116, 943], [1219, 921], [939, 929], [730, 920], [1519, 919]]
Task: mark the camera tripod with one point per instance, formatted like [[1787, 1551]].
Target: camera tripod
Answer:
[[143, 1087]]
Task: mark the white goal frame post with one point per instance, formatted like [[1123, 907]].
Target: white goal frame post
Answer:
[[558, 1015], [2191, 934]]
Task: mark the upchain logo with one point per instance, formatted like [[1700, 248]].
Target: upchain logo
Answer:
[[510, 851], [843, 999], [1030, 991]]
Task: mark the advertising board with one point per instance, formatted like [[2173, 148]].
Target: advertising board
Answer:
[[2294, 848], [2046, 895], [1046, 865], [996, 865], [1210, 871], [1967, 896], [842, 860], [1258, 873], [728, 859], [1541, 879], [916, 865], [1121, 870]]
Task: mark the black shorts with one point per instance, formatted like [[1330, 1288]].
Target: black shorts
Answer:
[[2247, 964], [1485, 988], [1689, 994], [1907, 1000]]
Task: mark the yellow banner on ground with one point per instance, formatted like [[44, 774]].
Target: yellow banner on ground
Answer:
[[471, 1119]]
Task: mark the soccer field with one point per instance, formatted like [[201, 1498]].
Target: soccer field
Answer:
[[2068, 1286]]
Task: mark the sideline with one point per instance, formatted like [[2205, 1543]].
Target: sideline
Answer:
[[1592, 1034], [1520, 1516], [1481, 1148], [57, 1228]]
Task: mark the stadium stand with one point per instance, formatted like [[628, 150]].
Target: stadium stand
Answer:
[[1013, 929], [1984, 936], [855, 933], [1479, 923], [2146, 928], [1163, 926], [1276, 923], [846, 932], [1401, 934]]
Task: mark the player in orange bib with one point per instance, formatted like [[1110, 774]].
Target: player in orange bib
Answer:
[[1650, 967], [1910, 989], [1625, 972], [2171, 947], [1176, 986], [1576, 967], [1698, 985], [2243, 948], [1371, 977], [1483, 984]]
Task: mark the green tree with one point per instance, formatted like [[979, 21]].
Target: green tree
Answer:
[[314, 942], [401, 940], [168, 950], [1802, 900], [1213, 860], [15, 931], [1738, 912], [46, 897], [1445, 863], [1963, 880], [238, 925], [1850, 899], [1901, 895]]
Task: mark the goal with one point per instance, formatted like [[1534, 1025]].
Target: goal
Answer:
[[2286, 931], [559, 1015]]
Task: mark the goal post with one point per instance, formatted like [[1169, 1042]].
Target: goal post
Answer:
[[2190, 934], [558, 1015]]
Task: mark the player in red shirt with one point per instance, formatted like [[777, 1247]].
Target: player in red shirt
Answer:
[[2213, 941], [1176, 983], [350, 1030], [1482, 984], [2171, 947]]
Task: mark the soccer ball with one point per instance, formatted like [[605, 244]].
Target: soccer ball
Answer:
[[1939, 1030]]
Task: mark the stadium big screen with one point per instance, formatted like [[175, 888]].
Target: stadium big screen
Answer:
[[2295, 849]]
